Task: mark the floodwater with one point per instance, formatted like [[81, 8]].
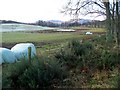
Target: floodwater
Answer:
[[20, 27]]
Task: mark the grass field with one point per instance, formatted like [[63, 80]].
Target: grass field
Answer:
[[36, 37], [10, 37], [56, 39]]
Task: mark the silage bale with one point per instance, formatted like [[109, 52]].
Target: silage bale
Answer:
[[21, 50], [89, 33], [6, 56], [1, 60]]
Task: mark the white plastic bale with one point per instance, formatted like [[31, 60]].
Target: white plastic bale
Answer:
[[7, 56], [1, 60], [89, 33], [21, 50]]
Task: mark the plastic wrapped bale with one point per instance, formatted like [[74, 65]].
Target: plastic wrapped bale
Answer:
[[7, 56], [21, 50], [89, 33], [1, 60]]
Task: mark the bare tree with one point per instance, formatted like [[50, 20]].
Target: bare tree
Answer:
[[117, 22], [108, 8]]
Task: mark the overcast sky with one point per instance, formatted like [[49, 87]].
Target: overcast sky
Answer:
[[32, 10]]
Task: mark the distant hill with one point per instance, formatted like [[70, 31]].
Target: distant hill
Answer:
[[55, 21], [80, 21], [10, 21]]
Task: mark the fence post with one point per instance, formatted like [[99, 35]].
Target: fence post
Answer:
[[29, 54]]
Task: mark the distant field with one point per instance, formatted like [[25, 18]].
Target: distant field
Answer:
[[36, 37], [16, 37], [89, 28]]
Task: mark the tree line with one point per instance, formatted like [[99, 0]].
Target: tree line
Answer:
[[94, 23]]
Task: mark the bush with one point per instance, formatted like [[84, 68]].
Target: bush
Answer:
[[42, 72], [73, 54], [11, 72], [88, 54]]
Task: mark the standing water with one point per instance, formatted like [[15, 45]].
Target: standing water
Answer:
[[20, 27]]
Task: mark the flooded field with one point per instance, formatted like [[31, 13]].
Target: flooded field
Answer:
[[21, 27]]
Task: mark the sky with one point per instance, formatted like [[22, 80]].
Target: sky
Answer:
[[32, 10]]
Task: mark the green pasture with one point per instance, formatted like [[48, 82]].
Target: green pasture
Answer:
[[36, 37], [97, 30], [10, 37], [56, 39], [89, 29]]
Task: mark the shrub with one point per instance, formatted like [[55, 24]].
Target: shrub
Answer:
[[67, 57], [90, 55], [41, 72], [110, 59], [73, 54], [11, 72]]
